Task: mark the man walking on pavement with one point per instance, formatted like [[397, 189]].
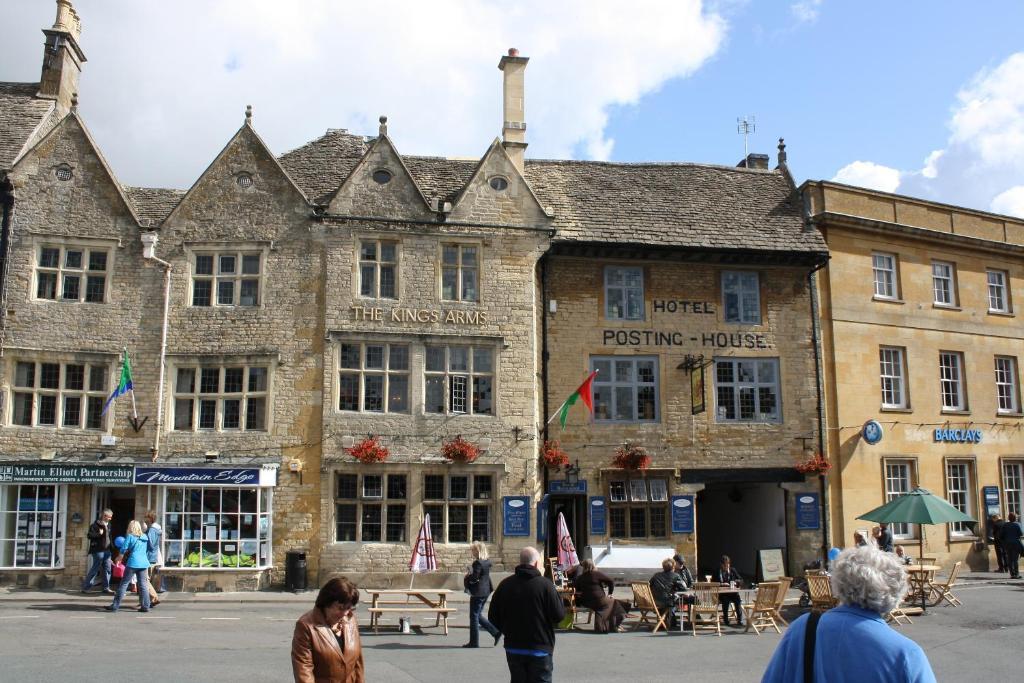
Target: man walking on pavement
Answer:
[[525, 608], [99, 550]]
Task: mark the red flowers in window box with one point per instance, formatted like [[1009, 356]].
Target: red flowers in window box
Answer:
[[369, 450], [816, 464], [631, 457], [553, 455], [459, 450]]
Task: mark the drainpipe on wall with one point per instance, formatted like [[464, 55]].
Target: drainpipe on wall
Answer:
[[7, 209], [149, 240], [826, 539], [544, 358]]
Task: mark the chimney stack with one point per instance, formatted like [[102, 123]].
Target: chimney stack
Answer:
[[759, 161], [513, 131], [62, 57]]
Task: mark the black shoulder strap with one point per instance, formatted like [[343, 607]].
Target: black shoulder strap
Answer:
[[810, 635]]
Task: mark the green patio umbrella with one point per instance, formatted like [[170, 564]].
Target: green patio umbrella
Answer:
[[919, 506]]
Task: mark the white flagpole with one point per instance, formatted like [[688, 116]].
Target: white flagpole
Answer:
[[135, 410]]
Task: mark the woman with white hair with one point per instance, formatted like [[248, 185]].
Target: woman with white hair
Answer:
[[852, 642]]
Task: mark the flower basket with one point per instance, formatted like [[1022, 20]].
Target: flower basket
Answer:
[[816, 464], [369, 450], [553, 455], [631, 457], [460, 450]]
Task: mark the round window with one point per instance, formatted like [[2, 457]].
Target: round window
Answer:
[[382, 176], [498, 183], [244, 180], [63, 173]]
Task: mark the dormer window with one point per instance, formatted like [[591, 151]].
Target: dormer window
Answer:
[[498, 183], [382, 176]]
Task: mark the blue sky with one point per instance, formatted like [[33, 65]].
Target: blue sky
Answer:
[[862, 91]]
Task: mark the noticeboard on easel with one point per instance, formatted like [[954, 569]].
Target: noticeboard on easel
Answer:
[[771, 564]]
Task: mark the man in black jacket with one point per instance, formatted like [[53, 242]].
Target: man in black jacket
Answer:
[[99, 551], [525, 608]]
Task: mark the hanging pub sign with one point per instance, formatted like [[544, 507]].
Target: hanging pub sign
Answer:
[[682, 514], [61, 473], [206, 476], [697, 390], [516, 515], [807, 514], [598, 516]]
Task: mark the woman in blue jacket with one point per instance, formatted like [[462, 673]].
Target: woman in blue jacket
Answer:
[[135, 548]]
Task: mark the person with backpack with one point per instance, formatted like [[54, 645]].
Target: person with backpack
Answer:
[[136, 563], [99, 551]]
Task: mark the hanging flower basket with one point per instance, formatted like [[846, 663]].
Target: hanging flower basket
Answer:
[[631, 457], [816, 464], [553, 455], [460, 450], [369, 450]]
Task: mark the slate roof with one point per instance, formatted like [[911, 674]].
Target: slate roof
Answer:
[[153, 204], [21, 113]]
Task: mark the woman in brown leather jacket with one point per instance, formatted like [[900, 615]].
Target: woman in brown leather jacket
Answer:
[[325, 645]]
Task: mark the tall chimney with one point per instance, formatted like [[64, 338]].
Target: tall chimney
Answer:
[[62, 57], [513, 131]]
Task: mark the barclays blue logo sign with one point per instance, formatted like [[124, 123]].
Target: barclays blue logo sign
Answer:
[[958, 436]]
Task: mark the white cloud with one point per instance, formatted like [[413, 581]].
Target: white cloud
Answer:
[[929, 170], [166, 84], [806, 11], [870, 175], [1010, 202]]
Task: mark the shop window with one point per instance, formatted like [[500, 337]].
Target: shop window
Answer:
[[459, 380], [741, 297], [59, 395], [460, 506], [747, 390], [899, 481], [460, 272], [214, 398], [886, 281], [374, 378], [71, 273], [998, 291], [623, 293], [943, 283], [893, 374], [371, 508], [227, 278], [378, 269], [951, 382], [32, 525], [1013, 484], [638, 508], [960, 494], [1007, 392], [211, 527], [625, 389]]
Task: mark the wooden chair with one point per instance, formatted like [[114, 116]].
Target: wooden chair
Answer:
[[944, 591], [706, 613], [927, 560], [820, 588], [761, 614], [894, 616], [780, 598], [643, 601]]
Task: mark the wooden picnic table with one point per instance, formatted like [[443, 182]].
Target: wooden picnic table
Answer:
[[384, 601], [920, 577]]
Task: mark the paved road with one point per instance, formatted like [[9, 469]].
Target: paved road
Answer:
[[222, 642]]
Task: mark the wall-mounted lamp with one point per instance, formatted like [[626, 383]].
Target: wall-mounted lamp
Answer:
[[572, 474]]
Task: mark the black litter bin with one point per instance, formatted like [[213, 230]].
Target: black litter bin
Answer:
[[295, 570]]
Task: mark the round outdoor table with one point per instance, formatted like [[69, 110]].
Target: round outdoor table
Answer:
[[920, 576]]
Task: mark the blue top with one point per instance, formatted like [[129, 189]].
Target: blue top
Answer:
[[153, 534], [854, 645], [138, 546]]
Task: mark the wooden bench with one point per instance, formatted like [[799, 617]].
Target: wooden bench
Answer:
[[441, 612]]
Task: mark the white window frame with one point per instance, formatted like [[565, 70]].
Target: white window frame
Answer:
[[441, 525], [220, 398], [460, 385], [637, 500], [90, 399], [899, 480], [743, 286], [461, 270], [631, 304], [1007, 387], [739, 387], [998, 291], [176, 547], [960, 494], [62, 272], [608, 382], [370, 268], [951, 381], [892, 371], [1013, 486], [386, 503], [387, 373], [216, 277], [25, 532], [944, 283], [885, 268]]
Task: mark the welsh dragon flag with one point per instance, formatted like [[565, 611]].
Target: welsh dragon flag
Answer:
[[124, 385], [585, 392]]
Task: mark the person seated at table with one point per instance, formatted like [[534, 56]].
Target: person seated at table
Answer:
[[901, 555], [590, 585], [682, 570], [858, 540], [664, 586], [728, 575]]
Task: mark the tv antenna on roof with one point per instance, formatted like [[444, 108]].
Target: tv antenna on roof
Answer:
[[745, 126]]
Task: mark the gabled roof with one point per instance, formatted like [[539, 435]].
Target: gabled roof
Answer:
[[153, 204], [22, 114], [321, 166]]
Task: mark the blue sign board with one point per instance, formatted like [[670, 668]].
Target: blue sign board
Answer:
[[542, 519], [561, 486], [958, 436], [808, 516], [598, 516], [198, 476], [872, 432], [990, 494], [516, 514], [682, 514]]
